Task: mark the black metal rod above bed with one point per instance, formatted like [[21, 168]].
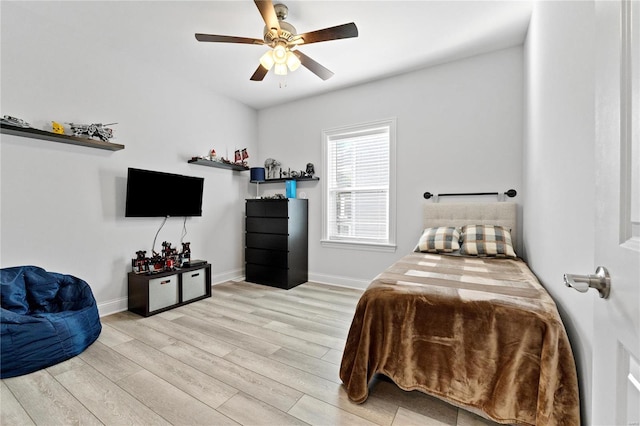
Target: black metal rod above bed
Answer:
[[509, 193]]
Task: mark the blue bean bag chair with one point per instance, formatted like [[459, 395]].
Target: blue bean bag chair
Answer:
[[46, 318]]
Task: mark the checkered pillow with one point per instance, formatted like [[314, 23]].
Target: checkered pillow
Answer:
[[486, 240], [440, 240]]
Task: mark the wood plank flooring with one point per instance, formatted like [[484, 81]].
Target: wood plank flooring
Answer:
[[249, 355]]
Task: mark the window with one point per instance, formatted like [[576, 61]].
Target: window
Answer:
[[358, 196]]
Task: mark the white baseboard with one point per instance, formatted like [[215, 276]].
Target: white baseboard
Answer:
[[339, 281], [113, 306], [235, 275], [326, 279]]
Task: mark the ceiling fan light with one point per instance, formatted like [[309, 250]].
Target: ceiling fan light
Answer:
[[267, 60], [280, 54], [292, 61], [280, 69]]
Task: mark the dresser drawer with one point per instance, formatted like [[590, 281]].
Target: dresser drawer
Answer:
[[193, 284], [163, 292], [267, 208], [266, 241], [266, 257], [267, 225], [266, 275]]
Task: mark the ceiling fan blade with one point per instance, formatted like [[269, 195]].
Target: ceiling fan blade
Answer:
[[227, 39], [259, 74], [333, 33], [268, 14], [313, 66]]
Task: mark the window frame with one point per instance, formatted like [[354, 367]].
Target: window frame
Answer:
[[327, 134]]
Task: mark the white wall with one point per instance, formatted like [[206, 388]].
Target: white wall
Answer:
[[62, 205], [559, 179], [459, 129]]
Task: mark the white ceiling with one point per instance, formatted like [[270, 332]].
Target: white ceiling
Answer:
[[394, 37]]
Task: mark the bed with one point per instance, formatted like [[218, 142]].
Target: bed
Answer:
[[466, 321]]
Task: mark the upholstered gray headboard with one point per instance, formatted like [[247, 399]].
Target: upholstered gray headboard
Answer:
[[460, 214]]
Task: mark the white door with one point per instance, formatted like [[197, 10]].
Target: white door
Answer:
[[616, 345]]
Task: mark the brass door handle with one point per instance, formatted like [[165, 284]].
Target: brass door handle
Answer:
[[601, 281]]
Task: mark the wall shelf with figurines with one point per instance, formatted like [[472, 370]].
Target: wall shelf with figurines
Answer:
[[273, 172], [218, 164], [298, 179], [29, 132], [212, 160]]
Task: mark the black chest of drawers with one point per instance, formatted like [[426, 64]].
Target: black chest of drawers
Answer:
[[276, 242]]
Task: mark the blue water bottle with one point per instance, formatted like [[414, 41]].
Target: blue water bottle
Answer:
[[290, 186]]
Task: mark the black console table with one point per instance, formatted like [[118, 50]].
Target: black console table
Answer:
[[151, 294], [276, 242]]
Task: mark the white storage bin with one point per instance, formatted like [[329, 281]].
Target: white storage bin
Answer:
[[163, 292], [193, 284]]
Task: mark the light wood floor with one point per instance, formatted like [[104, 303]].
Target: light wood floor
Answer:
[[250, 355]]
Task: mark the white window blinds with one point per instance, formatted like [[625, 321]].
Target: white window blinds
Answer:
[[357, 197]]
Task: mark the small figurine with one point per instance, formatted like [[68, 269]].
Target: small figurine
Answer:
[[212, 155], [156, 263], [275, 197], [310, 170], [270, 164], [169, 255], [186, 250], [185, 254], [95, 129], [7, 119], [140, 264], [245, 155], [167, 250], [169, 264], [57, 128]]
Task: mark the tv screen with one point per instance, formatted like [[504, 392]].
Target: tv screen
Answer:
[[154, 194]]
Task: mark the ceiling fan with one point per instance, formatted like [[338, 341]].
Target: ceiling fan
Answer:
[[283, 40]]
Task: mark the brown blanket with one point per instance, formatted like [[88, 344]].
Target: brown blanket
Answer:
[[479, 333]]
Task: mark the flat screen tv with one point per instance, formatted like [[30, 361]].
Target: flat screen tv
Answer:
[[159, 194]]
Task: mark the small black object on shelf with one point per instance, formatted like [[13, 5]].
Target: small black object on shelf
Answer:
[[193, 263]]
